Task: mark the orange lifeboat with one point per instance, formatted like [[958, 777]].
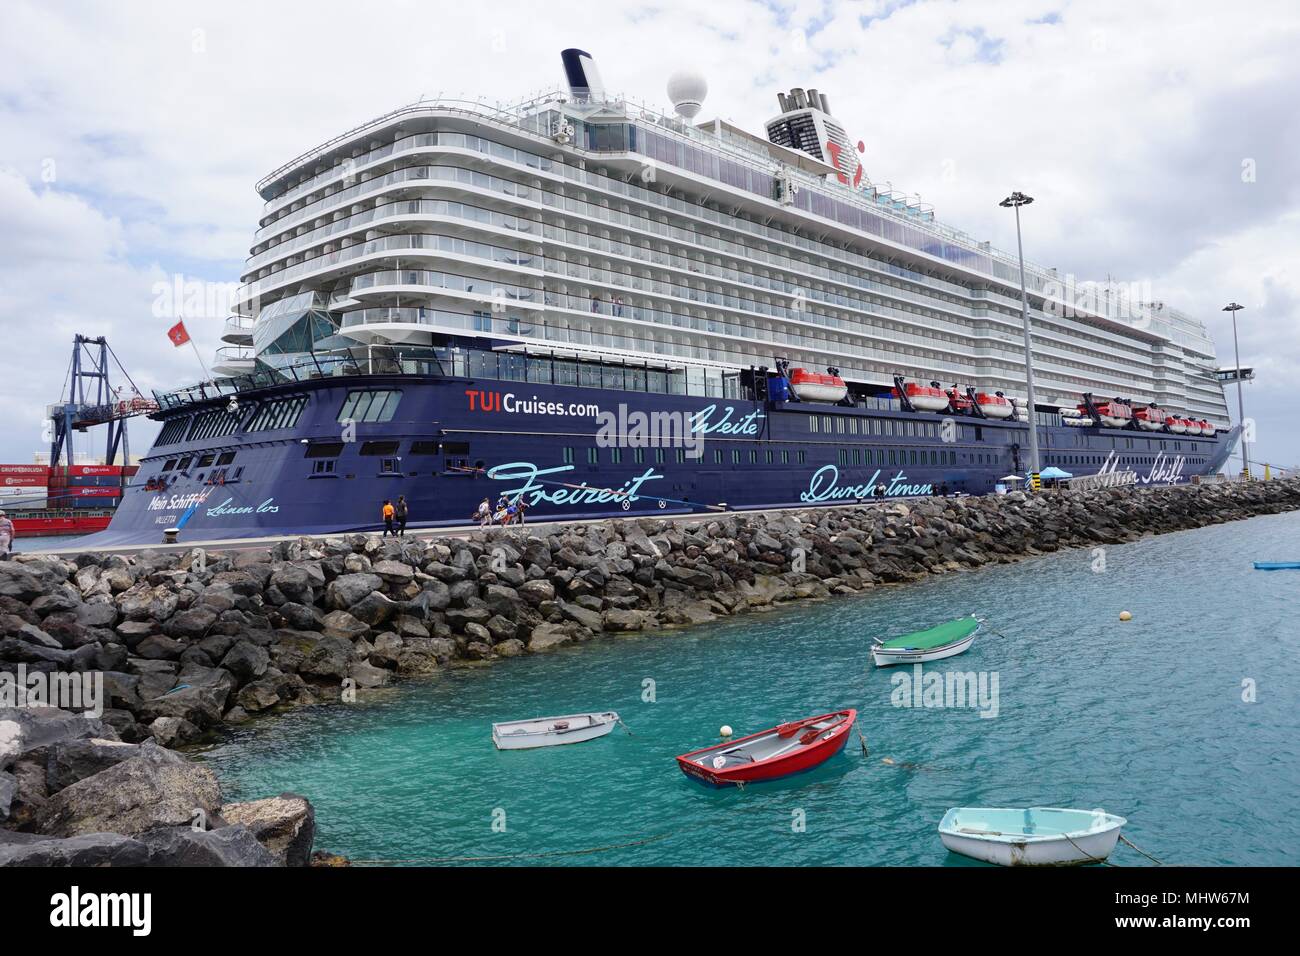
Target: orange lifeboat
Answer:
[[996, 405], [1150, 418], [817, 386], [924, 398]]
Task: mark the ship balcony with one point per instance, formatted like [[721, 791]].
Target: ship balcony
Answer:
[[238, 331], [233, 360]]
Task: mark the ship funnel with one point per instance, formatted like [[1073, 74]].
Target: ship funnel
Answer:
[[582, 76]]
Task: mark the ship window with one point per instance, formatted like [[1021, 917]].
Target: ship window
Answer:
[[390, 466], [325, 467], [225, 458], [615, 456], [785, 456], [638, 455], [812, 423], [891, 457], [183, 464], [753, 456], [857, 456], [839, 423], [425, 447], [912, 456], [278, 413], [324, 449], [826, 423], [370, 406], [215, 423], [173, 431], [717, 456], [844, 456], [455, 447], [568, 456], [169, 464], [769, 456], [735, 456], [206, 460], [592, 456], [853, 426], [803, 456], [659, 456], [377, 448]]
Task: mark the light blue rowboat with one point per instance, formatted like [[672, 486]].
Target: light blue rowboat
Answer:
[[1031, 836]]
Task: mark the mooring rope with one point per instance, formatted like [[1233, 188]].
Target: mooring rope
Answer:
[[1124, 839]]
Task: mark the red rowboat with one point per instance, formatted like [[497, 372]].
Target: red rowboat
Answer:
[[777, 752]]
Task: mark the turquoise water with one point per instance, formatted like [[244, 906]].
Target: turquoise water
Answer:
[[1144, 719]]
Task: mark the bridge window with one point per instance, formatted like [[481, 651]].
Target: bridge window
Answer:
[[324, 449], [370, 406], [425, 447], [379, 448], [225, 458], [173, 431], [278, 413]]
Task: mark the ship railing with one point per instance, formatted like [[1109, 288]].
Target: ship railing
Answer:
[[556, 367]]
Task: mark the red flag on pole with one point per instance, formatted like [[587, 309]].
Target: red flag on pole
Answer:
[[177, 334]]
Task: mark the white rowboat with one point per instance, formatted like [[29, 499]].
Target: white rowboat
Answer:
[[1033, 836], [552, 731]]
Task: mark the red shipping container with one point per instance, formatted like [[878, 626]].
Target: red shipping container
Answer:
[[42, 471], [87, 470], [23, 481]]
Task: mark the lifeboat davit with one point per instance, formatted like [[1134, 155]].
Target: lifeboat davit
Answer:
[[996, 405], [1150, 418], [961, 404], [817, 386], [924, 398], [1113, 414], [1176, 425]]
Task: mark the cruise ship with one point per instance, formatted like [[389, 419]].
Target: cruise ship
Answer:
[[595, 308]]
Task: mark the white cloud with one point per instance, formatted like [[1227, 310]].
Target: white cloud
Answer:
[[1128, 122]]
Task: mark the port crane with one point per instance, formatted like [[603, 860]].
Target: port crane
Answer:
[[92, 400]]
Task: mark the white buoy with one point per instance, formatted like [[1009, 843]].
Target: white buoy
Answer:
[[1125, 616], [725, 730]]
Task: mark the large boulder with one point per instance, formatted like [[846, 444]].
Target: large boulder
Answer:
[[186, 846], [90, 849], [156, 788], [247, 661], [285, 825], [72, 760], [347, 589], [25, 729], [200, 696]]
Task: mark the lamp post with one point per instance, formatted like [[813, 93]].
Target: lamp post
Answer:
[[1234, 308], [1015, 201]]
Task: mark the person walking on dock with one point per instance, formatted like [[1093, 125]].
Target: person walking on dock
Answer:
[[389, 511], [401, 511], [484, 513], [6, 535]]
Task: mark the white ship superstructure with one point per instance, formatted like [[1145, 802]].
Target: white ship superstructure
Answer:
[[578, 223]]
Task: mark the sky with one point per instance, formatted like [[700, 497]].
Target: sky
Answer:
[[1161, 141]]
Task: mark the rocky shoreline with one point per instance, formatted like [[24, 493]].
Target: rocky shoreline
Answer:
[[188, 642]]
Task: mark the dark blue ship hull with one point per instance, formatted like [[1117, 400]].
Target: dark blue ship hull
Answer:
[[290, 465]]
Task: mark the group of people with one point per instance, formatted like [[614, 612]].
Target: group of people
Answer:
[[506, 512], [395, 516]]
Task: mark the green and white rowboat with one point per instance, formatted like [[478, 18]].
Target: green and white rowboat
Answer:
[[932, 644]]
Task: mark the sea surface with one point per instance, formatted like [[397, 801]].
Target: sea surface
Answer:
[[1185, 720]]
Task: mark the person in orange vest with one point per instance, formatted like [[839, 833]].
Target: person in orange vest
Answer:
[[389, 512]]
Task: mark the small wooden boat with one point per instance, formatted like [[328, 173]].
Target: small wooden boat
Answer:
[[1033, 836], [932, 644], [1277, 565], [770, 754], [552, 731]]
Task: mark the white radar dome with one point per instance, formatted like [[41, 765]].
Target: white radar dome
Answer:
[[686, 91]]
